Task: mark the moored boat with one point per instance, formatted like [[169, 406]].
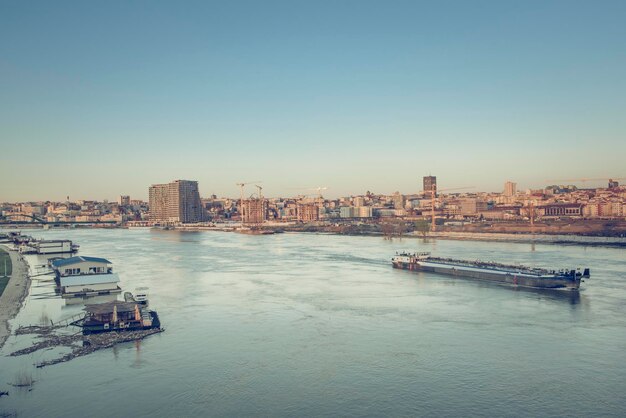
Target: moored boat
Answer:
[[85, 276], [117, 316], [60, 246], [140, 296]]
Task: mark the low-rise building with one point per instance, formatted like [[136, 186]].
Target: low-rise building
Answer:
[[308, 212]]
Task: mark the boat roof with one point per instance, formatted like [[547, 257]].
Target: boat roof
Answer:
[[107, 307], [78, 259]]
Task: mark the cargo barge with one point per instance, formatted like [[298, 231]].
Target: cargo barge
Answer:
[[492, 272]]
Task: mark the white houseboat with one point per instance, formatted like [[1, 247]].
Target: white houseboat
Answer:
[[58, 246], [85, 276]]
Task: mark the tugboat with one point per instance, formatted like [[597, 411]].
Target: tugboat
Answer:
[[493, 272]]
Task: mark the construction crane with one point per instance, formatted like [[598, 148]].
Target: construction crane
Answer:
[[241, 185], [260, 190], [531, 215], [433, 192], [317, 189]]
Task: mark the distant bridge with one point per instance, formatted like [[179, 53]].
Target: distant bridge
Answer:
[[6, 219], [22, 215]]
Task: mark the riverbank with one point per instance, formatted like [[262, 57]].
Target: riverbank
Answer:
[[368, 230], [14, 294], [530, 238]]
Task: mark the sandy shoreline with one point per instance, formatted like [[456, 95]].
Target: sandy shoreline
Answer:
[[13, 297]]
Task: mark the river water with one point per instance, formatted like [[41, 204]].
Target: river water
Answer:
[[321, 325]]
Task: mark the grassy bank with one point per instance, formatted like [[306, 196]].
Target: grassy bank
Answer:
[[4, 258]]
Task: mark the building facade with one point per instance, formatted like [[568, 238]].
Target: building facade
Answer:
[[176, 202], [308, 212], [561, 209], [430, 185], [254, 211], [510, 189], [398, 200]]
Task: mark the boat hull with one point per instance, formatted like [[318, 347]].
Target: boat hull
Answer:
[[510, 278], [99, 328]]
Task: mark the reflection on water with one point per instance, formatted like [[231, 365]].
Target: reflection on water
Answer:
[[319, 325]]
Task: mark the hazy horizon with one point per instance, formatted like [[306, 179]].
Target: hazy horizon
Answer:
[[100, 100], [293, 192]]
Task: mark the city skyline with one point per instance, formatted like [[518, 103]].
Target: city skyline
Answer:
[[291, 192], [102, 100], [178, 203]]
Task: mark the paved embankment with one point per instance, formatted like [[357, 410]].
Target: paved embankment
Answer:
[[14, 294]]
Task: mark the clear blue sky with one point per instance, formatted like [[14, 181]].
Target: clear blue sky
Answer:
[[105, 98]]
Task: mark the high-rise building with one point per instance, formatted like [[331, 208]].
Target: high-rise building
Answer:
[[254, 211], [430, 185], [613, 184], [124, 200], [510, 188], [178, 201]]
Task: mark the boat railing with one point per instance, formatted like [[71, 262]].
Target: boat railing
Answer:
[[408, 254], [493, 266]]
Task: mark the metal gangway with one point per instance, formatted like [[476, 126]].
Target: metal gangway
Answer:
[[65, 322]]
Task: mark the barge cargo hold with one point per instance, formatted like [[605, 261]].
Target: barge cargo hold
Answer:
[[492, 272]]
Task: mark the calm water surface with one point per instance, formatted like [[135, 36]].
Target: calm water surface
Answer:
[[319, 325]]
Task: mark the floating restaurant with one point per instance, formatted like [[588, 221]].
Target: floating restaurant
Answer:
[[85, 276], [117, 316]]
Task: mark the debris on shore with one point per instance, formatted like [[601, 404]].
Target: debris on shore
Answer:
[[37, 329], [80, 344]]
